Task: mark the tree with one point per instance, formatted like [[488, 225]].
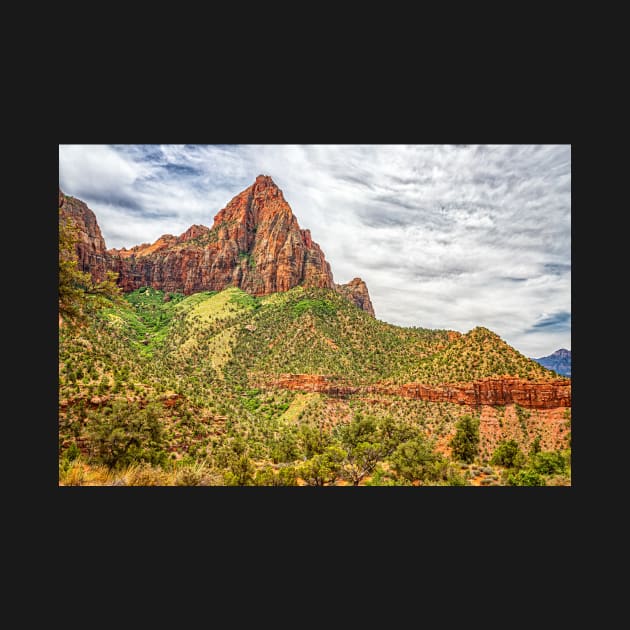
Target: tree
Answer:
[[312, 440], [266, 477], [535, 446], [287, 476], [361, 460], [415, 460], [465, 442], [78, 294], [367, 441], [241, 471], [284, 449], [508, 454], [548, 462], [324, 468], [124, 434]]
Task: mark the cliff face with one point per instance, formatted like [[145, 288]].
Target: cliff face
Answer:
[[489, 391], [91, 251], [255, 243], [356, 291]]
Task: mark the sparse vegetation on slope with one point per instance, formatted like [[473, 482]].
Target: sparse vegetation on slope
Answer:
[[478, 354], [166, 391]]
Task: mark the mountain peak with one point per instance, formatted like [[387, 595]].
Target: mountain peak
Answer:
[[559, 361], [356, 291], [255, 243], [265, 180]]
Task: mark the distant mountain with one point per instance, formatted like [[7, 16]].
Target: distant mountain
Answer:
[[559, 361]]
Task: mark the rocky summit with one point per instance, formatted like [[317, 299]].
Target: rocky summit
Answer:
[[255, 243], [559, 361]]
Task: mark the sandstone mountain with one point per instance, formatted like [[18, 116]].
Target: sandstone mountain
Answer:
[[91, 252], [255, 244], [356, 291]]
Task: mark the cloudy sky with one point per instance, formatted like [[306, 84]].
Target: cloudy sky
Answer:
[[445, 236]]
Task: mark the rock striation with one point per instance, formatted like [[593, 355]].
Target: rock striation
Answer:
[[91, 251], [255, 243], [488, 391], [356, 291]]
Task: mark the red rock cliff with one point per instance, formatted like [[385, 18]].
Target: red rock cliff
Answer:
[[356, 291], [488, 391], [91, 251], [255, 243]]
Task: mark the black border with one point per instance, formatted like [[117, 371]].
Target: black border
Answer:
[[396, 520]]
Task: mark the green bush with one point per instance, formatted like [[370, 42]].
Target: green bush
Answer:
[[72, 452], [287, 476], [124, 434], [508, 454], [324, 468], [241, 472], [548, 462], [415, 460], [266, 477], [312, 440], [465, 442], [526, 477], [284, 449], [535, 446], [319, 307]]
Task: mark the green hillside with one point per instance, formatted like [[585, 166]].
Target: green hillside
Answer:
[[165, 389], [477, 354]]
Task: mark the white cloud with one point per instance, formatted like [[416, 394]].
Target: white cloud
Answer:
[[445, 236]]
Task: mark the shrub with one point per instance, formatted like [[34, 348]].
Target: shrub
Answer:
[[241, 472], [312, 440], [284, 449], [324, 468], [454, 478], [526, 477], [415, 460], [72, 452], [287, 476], [548, 462], [194, 474], [465, 442], [266, 477], [125, 434], [535, 446], [508, 454]]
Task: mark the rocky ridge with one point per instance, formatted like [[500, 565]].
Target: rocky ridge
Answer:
[[488, 391], [255, 243], [91, 252]]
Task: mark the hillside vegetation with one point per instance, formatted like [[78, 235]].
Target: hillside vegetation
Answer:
[[160, 390], [164, 389]]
